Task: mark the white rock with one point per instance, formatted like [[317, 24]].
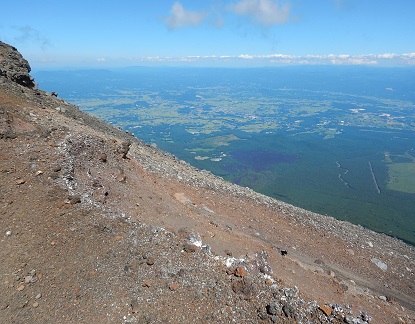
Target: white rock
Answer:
[[60, 109], [380, 264], [195, 239], [8, 233]]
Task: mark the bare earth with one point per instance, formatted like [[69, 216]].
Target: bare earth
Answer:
[[99, 227]]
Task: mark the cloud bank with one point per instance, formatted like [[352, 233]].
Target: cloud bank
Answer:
[[180, 17], [386, 59]]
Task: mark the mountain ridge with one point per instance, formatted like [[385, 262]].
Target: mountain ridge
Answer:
[[78, 175]]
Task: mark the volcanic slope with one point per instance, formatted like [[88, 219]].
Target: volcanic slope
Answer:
[[99, 227]]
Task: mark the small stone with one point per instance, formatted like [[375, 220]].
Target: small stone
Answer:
[[53, 243], [384, 298], [147, 283], [173, 286], [103, 157], [121, 177], [151, 260], [262, 316], [228, 253], [273, 308], [35, 305], [28, 279], [38, 296], [39, 173], [240, 272], [74, 199], [244, 287], [289, 311], [365, 317], [124, 148], [8, 233], [380, 264], [60, 109], [135, 307], [189, 248], [20, 181], [326, 309], [20, 287]]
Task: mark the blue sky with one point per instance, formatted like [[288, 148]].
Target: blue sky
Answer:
[[109, 33]]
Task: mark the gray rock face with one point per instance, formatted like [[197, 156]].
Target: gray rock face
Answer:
[[14, 67]]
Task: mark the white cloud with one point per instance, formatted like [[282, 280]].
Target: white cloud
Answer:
[[246, 56], [263, 12], [386, 56], [180, 17], [101, 59], [353, 61], [344, 56]]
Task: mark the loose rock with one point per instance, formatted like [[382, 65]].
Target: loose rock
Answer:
[[135, 306], [273, 308], [151, 260], [240, 272], [147, 283], [187, 247], [326, 309], [380, 264], [173, 286], [103, 157]]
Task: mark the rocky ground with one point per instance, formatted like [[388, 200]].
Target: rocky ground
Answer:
[[96, 226]]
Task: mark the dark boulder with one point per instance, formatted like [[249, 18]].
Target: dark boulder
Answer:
[[14, 67]]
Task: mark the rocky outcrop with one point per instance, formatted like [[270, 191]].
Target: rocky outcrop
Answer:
[[14, 67]]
